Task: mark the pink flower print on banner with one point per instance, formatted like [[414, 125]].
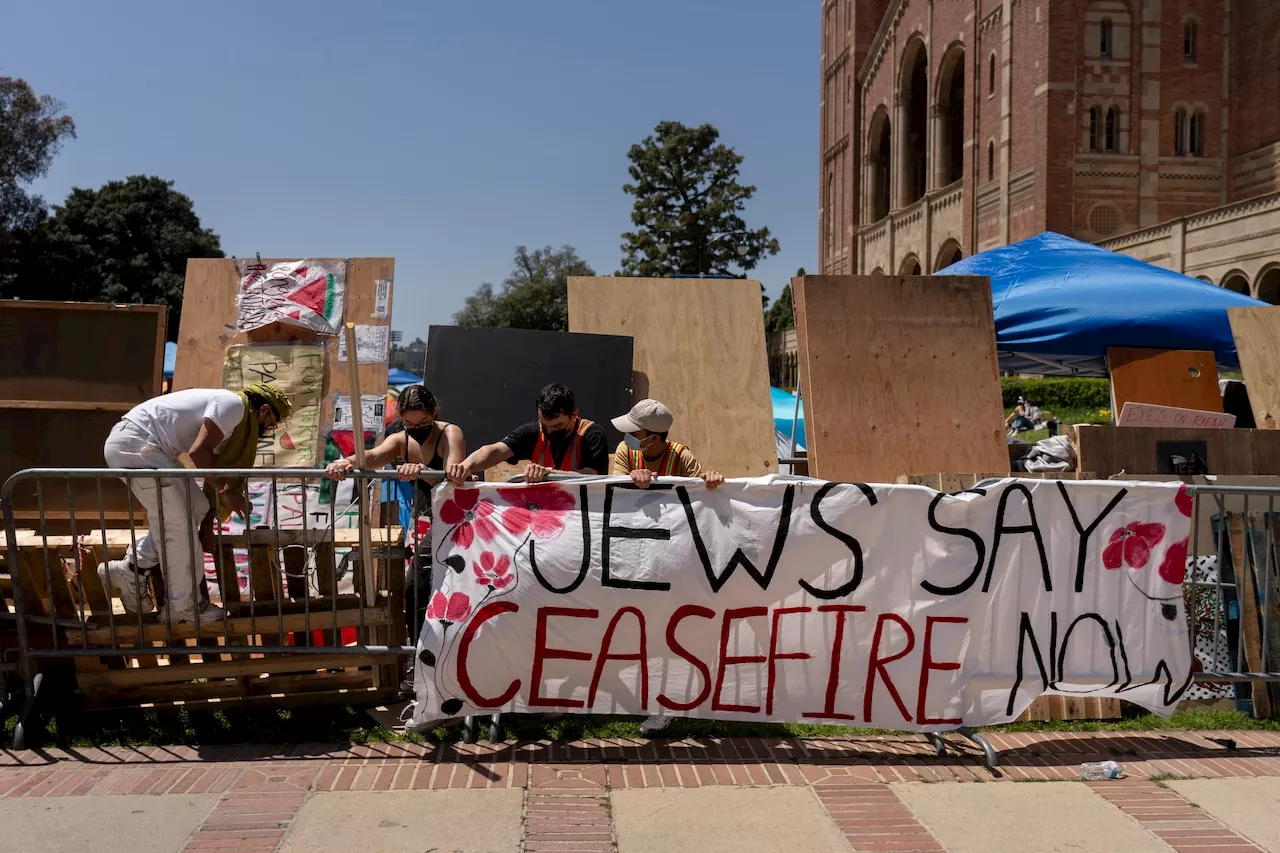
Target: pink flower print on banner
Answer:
[[494, 573], [1132, 545], [1184, 500], [471, 515], [1173, 569], [448, 610], [537, 509]]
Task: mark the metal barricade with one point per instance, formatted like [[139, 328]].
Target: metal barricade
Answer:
[[1232, 590], [303, 610]]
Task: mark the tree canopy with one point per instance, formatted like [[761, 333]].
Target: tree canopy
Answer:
[[32, 129], [126, 242], [781, 314], [688, 206], [534, 296]]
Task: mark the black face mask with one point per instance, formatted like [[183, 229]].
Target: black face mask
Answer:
[[419, 434]]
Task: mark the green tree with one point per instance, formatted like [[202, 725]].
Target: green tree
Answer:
[[688, 202], [127, 242], [534, 296], [781, 314], [31, 132]]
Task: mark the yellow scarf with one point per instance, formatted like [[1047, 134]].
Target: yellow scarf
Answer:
[[239, 451]]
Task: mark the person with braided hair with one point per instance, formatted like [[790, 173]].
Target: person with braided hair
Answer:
[[217, 429]]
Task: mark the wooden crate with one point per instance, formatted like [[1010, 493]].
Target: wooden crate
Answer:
[[1110, 450]]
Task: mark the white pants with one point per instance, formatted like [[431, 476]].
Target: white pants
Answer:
[[181, 502]]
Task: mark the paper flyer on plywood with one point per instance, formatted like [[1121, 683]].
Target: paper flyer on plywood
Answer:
[[307, 293]]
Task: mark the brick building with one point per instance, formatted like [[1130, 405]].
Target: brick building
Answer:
[[952, 126]]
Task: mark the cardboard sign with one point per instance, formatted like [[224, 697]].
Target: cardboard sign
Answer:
[[1151, 415], [790, 599], [298, 371]]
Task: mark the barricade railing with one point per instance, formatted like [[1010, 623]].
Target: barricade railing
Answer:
[[302, 606], [298, 594], [1232, 591]]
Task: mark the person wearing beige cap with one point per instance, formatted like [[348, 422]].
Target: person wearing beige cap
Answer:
[[647, 453]]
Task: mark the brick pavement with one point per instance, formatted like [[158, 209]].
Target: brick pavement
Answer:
[[567, 785]]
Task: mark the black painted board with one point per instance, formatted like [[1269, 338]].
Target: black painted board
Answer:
[[487, 380]]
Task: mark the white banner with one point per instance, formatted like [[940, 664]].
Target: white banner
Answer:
[[795, 600], [306, 293]]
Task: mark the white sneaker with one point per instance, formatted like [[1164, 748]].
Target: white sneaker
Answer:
[[655, 724], [206, 613], [423, 727], [130, 582]]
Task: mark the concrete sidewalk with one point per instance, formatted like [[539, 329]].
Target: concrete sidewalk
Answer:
[[861, 794]]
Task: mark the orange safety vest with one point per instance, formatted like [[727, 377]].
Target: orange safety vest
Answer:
[[666, 468], [572, 460]]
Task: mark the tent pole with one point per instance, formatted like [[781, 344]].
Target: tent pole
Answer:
[[795, 422]]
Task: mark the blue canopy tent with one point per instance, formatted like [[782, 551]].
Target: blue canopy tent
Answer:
[[1059, 303], [784, 413], [170, 358], [397, 378]]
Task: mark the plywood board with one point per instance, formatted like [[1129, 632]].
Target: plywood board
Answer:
[[1257, 334], [486, 380], [1187, 379], [899, 375], [209, 326], [1136, 450], [700, 349]]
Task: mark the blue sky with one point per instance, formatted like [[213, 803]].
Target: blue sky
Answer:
[[443, 134]]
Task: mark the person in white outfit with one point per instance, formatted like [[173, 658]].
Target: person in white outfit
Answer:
[[217, 429]]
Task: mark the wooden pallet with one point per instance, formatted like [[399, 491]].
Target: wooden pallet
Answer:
[[58, 583]]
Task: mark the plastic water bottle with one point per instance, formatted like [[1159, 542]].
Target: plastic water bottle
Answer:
[[1097, 771]]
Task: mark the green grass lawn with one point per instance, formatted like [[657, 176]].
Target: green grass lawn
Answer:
[[1065, 417], [347, 725]]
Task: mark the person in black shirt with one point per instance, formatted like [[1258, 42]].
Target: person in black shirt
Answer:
[[559, 440]]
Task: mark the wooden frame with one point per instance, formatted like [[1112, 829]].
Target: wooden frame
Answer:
[[68, 371]]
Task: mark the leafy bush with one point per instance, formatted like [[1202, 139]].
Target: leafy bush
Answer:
[[1061, 393]]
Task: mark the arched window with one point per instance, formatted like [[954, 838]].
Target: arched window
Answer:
[[1111, 132], [1190, 34], [1180, 132], [991, 161], [1095, 128], [1105, 38], [991, 74], [1195, 134]]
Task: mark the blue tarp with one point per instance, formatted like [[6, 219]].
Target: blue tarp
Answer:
[[170, 357], [397, 377], [1062, 301], [784, 411]]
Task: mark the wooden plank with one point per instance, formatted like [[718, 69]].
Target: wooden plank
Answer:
[[69, 405], [1257, 334], [237, 626], [227, 669], [700, 349], [899, 375], [1112, 450], [1250, 616], [354, 687], [1187, 379]]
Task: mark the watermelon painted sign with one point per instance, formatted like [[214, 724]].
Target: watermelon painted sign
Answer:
[[306, 293]]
